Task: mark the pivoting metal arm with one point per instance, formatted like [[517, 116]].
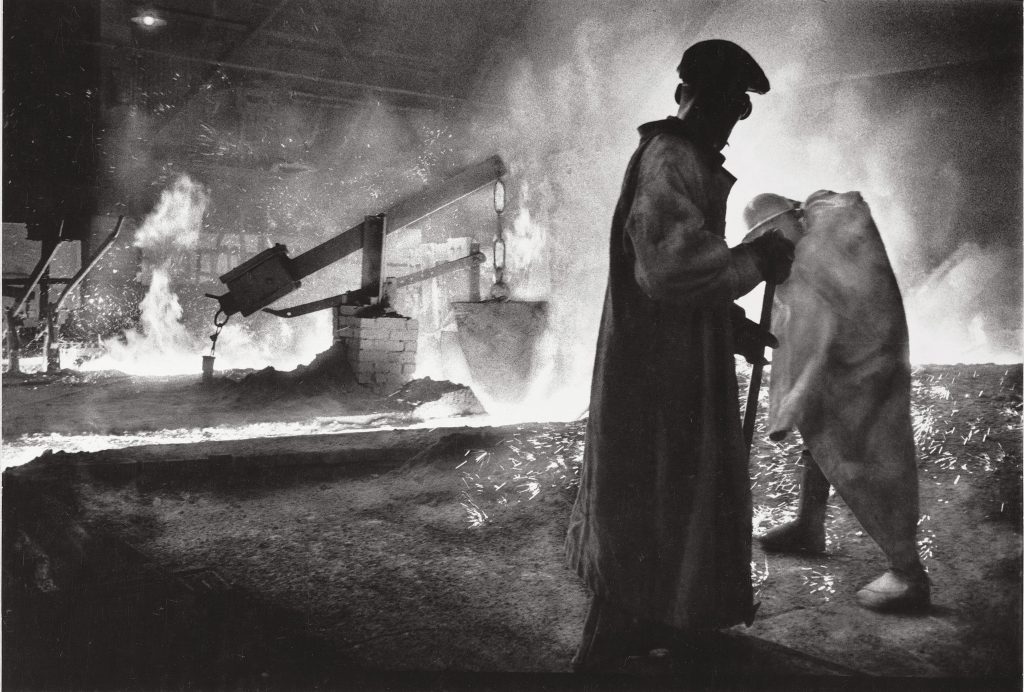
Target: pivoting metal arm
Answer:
[[270, 275], [357, 297]]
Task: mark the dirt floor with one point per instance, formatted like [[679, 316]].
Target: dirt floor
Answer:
[[90, 411], [323, 560]]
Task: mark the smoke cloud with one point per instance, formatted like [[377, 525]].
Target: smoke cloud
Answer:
[[163, 344], [914, 141], [905, 104]]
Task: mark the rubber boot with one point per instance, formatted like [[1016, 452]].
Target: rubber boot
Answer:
[[904, 588], [805, 534], [897, 591]]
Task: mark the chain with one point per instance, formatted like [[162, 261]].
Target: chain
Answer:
[[499, 253], [219, 324], [499, 291]]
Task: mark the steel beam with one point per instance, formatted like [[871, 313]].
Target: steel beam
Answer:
[[84, 271], [256, 69], [405, 212]]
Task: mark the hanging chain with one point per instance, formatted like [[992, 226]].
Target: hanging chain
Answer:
[[499, 291], [219, 324], [499, 253]]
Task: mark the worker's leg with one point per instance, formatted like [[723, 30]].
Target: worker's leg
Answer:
[[806, 533], [881, 490], [905, 586], [888, 511]]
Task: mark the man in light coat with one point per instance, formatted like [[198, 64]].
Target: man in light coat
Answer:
[[661, 529], [841, 376]]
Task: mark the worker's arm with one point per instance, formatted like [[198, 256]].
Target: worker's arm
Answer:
[[678, 259]]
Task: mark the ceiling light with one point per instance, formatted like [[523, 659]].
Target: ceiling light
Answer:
[[148, 19]]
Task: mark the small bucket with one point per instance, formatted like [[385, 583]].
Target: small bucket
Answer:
[[208, 368]]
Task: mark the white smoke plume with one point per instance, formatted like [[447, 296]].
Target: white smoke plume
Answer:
[[564, 107], [162, 344], [175, 222], [588, 76]]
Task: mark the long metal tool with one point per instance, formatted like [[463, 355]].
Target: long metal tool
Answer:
[[754, 389]]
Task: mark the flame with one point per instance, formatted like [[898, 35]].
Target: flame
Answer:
[[162, 344], [956, 330], [526, 251]]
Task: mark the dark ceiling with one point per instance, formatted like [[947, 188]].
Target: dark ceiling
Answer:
[[95, 97], [251, 88], [420, 53], [220, 67]]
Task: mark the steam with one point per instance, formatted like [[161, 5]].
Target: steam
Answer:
[[162, 344], [974, 332], [570, 104], [526, 248], [175, 222], [585, 80], [563, 112], [850, 143]]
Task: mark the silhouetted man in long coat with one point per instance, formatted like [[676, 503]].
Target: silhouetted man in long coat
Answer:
[[661, 530]]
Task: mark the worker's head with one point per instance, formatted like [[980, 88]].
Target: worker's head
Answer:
[[770, 211], [715, 77]]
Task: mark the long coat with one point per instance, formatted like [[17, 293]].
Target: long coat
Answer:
[[661, 526], [841, 374]]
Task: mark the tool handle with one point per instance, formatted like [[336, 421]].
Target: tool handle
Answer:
[[754, 389]]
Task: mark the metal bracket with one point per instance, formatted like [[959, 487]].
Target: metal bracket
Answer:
[[355, 298], [271, 274], [364, 296]]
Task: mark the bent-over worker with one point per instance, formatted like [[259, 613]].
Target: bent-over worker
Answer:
[[841, 376]]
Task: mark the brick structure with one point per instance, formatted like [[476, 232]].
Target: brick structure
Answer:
[[381, 350]]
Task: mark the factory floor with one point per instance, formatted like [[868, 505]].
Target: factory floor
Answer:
[[431, 558], [84, 411]]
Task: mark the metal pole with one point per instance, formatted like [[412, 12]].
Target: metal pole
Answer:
[[47, 315], [754, 389], [374, 230], [51, 349], [48, 251], [90, 265], [474, 274], [13, 343]]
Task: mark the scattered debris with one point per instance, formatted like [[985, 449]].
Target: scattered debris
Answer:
[[438, 399]]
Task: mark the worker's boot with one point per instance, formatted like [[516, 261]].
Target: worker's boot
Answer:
[[806, 533], [904, 588]]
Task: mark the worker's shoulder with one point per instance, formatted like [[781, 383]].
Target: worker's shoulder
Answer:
[[676, 150]]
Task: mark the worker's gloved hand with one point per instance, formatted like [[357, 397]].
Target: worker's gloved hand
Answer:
[[773, 255], [750, 338]]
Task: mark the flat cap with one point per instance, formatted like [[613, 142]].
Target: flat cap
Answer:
[[722, 64]]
